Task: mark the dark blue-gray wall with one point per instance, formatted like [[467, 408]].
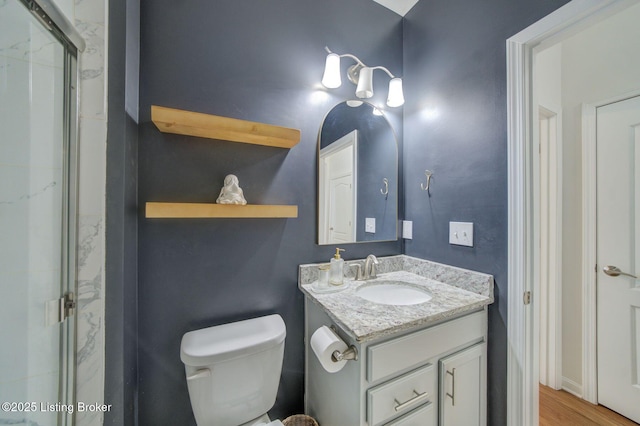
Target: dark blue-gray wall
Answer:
[[121, 272], [255, 60], [455, 124]]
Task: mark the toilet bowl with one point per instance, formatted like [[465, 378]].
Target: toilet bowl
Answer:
[[233, 371]]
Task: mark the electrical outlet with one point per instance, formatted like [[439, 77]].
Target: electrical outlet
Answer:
[[370, 225], [461, 233]]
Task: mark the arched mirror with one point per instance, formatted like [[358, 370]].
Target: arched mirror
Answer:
[[357, 176]]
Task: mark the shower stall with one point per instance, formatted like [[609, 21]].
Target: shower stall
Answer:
[[38, 174]]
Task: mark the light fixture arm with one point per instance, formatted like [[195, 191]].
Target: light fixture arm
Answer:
[[347, 55], [385, 70], [362, 64]]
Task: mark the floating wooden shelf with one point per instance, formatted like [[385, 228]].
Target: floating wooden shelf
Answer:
[[180, 122], [211, 210]]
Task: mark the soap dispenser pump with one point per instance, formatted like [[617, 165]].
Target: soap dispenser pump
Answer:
[[336, 269]]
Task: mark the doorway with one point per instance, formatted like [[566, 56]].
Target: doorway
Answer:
[[525, 256], [38, 156]]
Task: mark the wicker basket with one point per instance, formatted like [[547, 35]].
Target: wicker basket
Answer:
[[300, 420]]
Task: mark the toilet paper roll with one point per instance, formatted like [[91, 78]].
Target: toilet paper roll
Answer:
[[324, 342]]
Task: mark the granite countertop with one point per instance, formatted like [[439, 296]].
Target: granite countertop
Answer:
[[463, 291]]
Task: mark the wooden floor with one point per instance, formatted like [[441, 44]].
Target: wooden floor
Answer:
[[560, 408]]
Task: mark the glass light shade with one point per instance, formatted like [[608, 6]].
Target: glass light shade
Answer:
[[396, 97], [331, 78], [365, 83]]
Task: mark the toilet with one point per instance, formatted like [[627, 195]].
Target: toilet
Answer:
[[233, 371]]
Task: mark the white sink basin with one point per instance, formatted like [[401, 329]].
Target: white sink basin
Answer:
[[393, 293]]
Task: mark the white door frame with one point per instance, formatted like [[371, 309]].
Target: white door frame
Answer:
[[549, 174], [523, 256]]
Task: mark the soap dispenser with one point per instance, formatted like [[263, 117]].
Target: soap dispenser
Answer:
[[336, 269]]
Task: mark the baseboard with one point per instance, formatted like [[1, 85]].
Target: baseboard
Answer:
[[572, 387]]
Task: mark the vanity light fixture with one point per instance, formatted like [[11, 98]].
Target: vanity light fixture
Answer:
[[361, 75]]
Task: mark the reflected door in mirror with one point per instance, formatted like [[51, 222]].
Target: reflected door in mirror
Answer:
[[338, 178]]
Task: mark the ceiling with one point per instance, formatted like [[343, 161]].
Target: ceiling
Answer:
[[401, 7]]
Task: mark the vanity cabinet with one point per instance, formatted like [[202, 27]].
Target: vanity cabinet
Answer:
[[402, 379]]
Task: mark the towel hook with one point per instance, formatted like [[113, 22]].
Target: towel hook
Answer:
[[428, 174], [385, 191]]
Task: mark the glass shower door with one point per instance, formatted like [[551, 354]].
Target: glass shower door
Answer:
[[37, 230]]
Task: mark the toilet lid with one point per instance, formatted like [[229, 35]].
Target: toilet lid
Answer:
[[227, 341]]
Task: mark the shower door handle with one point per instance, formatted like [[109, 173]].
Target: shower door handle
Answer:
[[614, 271]]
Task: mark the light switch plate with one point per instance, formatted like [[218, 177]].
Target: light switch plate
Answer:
[[461, 233], [407, 229], [370, 225]]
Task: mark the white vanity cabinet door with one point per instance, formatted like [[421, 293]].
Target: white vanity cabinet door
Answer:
[[463, 388]]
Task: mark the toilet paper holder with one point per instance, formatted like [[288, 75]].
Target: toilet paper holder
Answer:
[[351, 354]]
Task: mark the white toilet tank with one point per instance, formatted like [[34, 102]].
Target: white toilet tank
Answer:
[[233, 370]]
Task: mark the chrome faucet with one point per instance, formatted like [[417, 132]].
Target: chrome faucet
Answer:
[[370, 267]]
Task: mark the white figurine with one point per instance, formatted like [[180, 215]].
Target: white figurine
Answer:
[[231, 193]]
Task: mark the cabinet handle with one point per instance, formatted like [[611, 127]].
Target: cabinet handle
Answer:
[[419, 397], [452, 395]]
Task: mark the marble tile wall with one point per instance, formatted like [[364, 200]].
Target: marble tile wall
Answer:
[[17, 43], [89, 18]]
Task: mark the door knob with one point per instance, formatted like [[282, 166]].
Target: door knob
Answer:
[[614, 271]]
